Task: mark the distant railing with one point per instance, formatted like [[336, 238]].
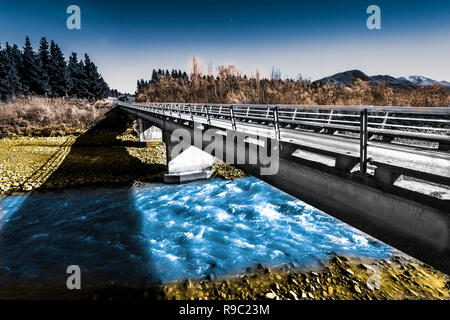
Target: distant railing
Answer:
[[428, 124], [383, 173]]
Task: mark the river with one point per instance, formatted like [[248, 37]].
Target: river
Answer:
[[162, 233]]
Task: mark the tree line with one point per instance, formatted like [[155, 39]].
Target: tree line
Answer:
[[47, 73], [230, 86]]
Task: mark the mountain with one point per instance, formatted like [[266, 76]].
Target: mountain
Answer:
[[423, 81], [348, 78], [344, 78], [400, 83]]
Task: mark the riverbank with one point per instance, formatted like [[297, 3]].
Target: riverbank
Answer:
[[49, 163], [340, 278], [73, 161]]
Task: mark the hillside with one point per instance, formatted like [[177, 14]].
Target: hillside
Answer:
[[349, 78]]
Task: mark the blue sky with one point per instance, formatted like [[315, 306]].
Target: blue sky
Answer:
[[127, 39]]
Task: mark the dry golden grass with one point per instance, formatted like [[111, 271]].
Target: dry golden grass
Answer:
[[49, 117], [231, 87]]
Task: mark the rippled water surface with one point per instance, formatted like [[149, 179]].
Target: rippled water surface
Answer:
[[168, 232]]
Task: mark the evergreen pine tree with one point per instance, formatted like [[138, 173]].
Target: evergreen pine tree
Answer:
[[59, 77], [78, 84], [43, 60], [47, 72], [154, 76], [5, 85], [97, 87], [83, 85], [29, 70], [9, 73]]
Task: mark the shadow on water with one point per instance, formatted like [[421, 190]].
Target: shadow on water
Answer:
[[98, 229]]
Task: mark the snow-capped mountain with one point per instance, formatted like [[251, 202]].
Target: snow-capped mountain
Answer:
[[421, 81], [347, 78], [400, 83], [424, 81]]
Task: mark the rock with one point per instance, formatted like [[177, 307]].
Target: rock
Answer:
[[208, 277], [310, 295], [413, 292], [303, 294], [357, 289], [187, 284], [271, 295], [394, 278], [330, 290], [293, 295], [350, 272]]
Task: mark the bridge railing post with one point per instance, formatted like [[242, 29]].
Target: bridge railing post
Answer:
[[295, 113], [276, 121], [233, 118], [208, 117], [363, 137]]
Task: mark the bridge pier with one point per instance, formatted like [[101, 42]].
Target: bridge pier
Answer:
[[185, 162], [148, 134]]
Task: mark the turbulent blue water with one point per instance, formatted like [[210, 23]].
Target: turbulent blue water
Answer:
[[168, 232]]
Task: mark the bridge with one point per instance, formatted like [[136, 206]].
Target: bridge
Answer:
[[383, 170]]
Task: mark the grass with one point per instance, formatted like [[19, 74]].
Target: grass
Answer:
[[47, 163], [38, 116]]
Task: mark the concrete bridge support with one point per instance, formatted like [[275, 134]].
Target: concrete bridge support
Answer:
[[148, 134], [185, 162]]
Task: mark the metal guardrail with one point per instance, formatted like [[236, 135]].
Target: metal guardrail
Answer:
[[389, 123], [345, 162]]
